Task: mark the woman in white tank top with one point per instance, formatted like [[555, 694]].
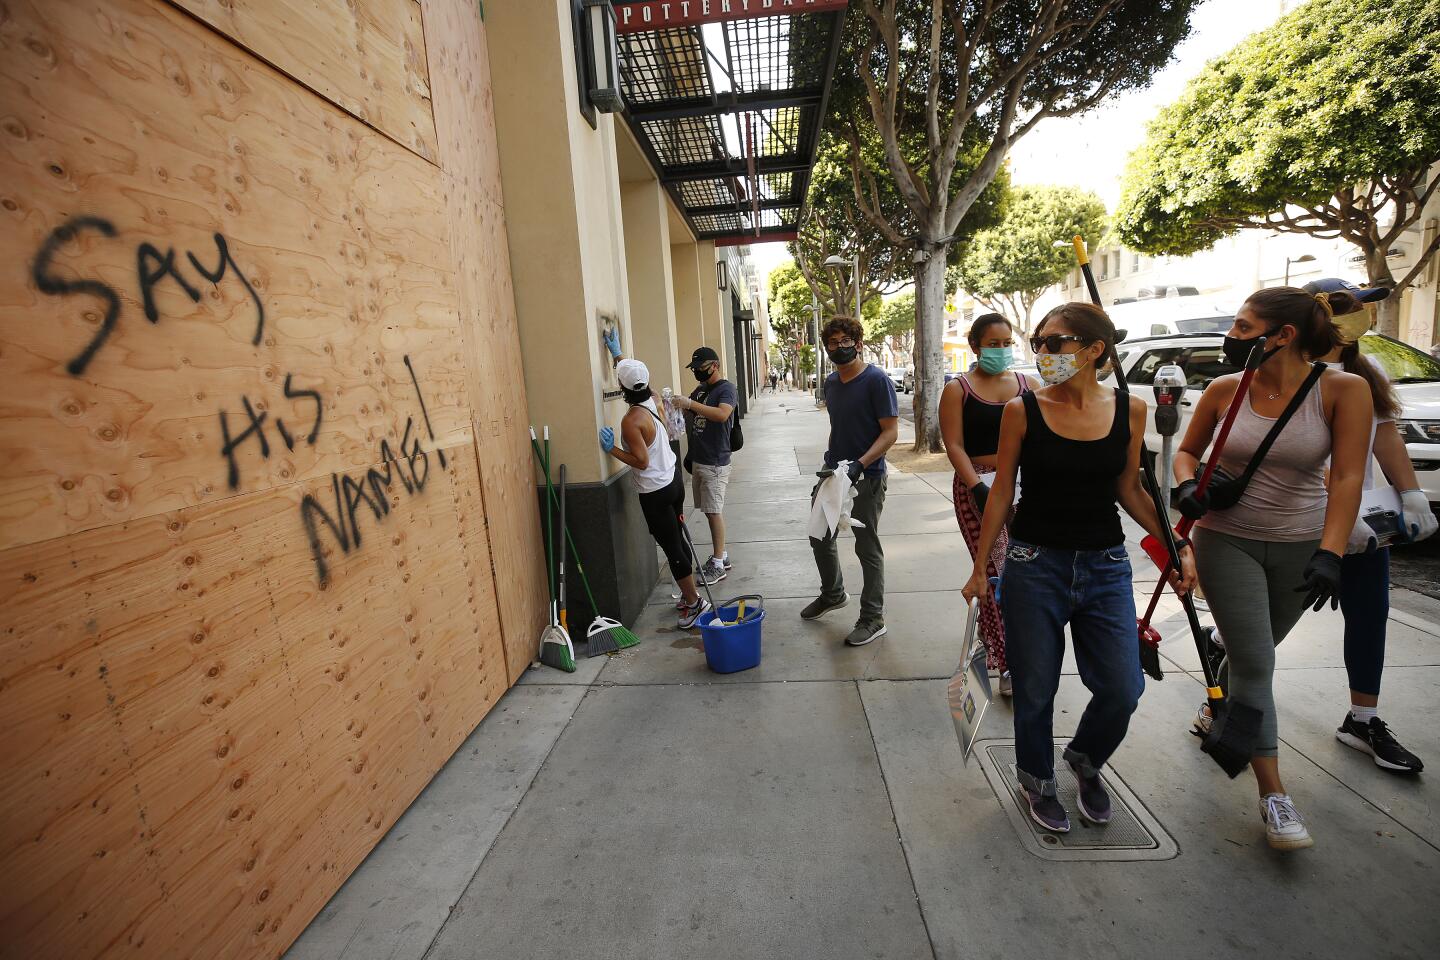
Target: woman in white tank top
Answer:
[[645, 449]]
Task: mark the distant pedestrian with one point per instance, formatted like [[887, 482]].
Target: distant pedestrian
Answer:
[[645, 449], [864, 423], [1077, 444], [1270, 547], [710, 411], [970, 409]]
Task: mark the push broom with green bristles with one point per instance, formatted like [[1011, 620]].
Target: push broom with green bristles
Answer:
[[604, 635]]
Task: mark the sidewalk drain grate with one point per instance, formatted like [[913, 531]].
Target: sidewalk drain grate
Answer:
[[1133, 833]]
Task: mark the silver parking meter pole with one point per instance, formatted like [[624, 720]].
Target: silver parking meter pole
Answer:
[[1169, 391]]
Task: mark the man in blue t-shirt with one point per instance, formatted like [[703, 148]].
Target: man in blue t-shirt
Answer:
[[709, 413], [864, 423]]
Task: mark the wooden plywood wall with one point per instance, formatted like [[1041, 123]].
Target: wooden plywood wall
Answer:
[[268, 547]]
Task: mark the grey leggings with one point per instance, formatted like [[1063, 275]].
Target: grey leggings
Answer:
[[1250, 586]]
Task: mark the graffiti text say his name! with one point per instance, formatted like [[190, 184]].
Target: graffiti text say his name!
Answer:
[[152, 267], [371, 491], [255, 428]]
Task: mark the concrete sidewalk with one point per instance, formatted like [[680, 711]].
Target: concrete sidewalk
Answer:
[[817, 806]]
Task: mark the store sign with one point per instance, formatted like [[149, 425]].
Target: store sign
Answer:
[[666, 14]]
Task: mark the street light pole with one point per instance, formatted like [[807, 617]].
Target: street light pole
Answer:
[[1305, 258]]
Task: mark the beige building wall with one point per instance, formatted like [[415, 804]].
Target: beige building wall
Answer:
[[689, 313], [566, 233], [714, 313], [650, 335]]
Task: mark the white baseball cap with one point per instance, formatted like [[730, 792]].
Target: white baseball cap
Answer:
[[632, 374]]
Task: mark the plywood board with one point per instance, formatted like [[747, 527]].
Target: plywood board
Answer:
[[340, 234], [213, 742], [464, 117], [365, 56]]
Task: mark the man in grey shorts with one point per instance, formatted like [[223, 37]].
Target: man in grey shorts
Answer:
[[708, 412]]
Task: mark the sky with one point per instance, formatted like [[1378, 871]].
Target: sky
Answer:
[[1090, 150]]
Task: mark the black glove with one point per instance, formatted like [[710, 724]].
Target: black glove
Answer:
[[1322, 581], [856, 470], [1224, 490], [1193, 503], [981, 493]]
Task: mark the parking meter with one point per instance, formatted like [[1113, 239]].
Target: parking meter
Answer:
[[1169, 386]]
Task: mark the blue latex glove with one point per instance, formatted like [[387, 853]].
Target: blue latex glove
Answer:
[[612, 343], [1416, 520], [607, 439]]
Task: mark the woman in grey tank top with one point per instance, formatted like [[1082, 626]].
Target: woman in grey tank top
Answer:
[[1267, 550]]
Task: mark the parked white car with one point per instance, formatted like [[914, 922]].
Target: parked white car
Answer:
[[1167, 316], [1416, 377], [898, 376]]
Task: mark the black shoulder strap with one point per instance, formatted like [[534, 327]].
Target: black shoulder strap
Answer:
[[1316, 371]]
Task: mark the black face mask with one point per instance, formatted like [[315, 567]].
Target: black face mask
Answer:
[[702, 375], [842, 355], [634, 397], [1237, 350]]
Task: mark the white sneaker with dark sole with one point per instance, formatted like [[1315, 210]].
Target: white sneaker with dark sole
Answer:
[[689, 614]]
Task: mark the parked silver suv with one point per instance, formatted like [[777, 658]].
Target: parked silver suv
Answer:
[[1416, 377]]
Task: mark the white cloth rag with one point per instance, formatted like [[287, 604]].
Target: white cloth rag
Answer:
[[831, 509]]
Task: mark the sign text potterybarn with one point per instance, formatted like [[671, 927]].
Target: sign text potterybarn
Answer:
[[664, 14]]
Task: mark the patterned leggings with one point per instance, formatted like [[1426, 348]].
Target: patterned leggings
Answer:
[[992, 627]]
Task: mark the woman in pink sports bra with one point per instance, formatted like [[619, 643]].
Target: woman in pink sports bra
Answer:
[[970, 409]]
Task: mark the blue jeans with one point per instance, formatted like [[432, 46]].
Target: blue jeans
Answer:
[[1043, 589]]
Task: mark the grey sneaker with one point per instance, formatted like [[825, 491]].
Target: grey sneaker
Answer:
[[822, 605], [712, 572], [864, 632]]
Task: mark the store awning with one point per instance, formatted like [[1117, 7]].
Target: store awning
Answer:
[[727, 99]]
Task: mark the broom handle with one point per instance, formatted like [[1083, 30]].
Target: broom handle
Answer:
[[584, 580], [1212, 688], [1252, 364]]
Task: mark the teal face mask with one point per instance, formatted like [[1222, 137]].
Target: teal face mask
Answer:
[[996, 359]]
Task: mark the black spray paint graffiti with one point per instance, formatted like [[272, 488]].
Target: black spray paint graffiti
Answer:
[[371, 491], [256, 428], [151, 267]]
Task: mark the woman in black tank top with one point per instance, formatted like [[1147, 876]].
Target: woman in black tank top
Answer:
[[970, 409], [1078, 445]]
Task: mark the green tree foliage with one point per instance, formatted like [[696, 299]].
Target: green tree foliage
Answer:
[[948, 87], [894, 324], [788, 298], [1008, 266], [1324, 124]]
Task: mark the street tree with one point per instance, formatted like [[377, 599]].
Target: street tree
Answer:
[[967, 79], [1324, 124], [1009, 266]]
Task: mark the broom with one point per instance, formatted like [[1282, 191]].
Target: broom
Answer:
[[555, 647], [1236, 726], [605, 635]]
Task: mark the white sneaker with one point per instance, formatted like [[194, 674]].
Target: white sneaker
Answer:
[[1284, 830], [1203, 723], [1007, 688]]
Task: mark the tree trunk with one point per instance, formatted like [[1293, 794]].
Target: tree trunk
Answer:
[[1387, 311], [929, 349]]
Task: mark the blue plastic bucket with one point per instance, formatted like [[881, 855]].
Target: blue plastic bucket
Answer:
[[732, 647]]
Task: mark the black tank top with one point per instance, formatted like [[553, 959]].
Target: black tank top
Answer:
[[1067, 487], [980, 419]]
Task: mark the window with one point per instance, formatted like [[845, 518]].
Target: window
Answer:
[[1205, 325], [1135, 263], [1201, 365], [1158, 330], [1402, 363]]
